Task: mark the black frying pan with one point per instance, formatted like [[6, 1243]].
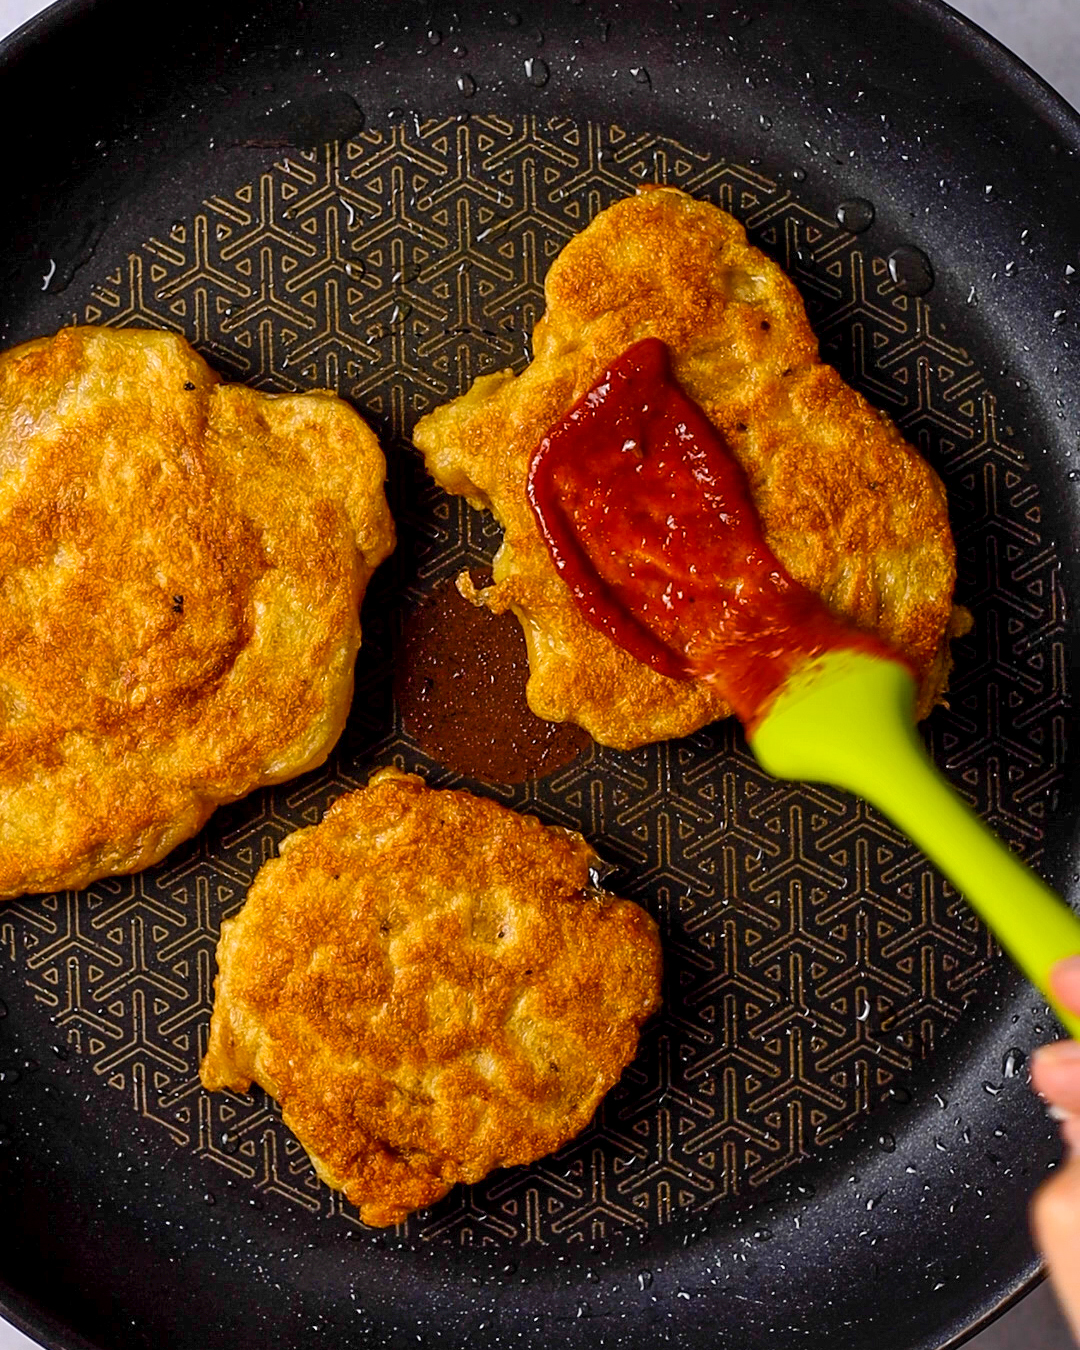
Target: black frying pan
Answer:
[[827, 1138]]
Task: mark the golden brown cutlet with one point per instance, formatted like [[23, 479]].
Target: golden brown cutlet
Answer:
[[850, 509], [181, 567], [430, 987]]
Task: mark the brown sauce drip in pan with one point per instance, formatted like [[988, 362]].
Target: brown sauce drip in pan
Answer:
[[459, 684]]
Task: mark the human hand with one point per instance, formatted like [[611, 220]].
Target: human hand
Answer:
[[1055, 1211]]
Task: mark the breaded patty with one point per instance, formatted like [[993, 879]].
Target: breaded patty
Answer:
[[181, 566], [851, 510], [430, 987]]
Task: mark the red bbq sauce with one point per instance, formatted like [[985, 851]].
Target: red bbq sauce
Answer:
[[649, 520]]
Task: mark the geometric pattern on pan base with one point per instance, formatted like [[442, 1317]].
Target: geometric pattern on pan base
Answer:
[[812, 955]]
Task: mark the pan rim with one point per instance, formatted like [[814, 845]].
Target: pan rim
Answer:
[[1020, 77], [982, 48]]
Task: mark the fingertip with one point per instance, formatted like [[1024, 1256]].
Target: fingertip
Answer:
[[1055, 1209], [1055, 1053], [1055, 1227], [1065, 982], [1055, 1069], [1070, 1134]]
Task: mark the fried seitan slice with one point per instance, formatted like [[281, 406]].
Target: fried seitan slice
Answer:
[[850, 509], [181, 566], [431, 988]]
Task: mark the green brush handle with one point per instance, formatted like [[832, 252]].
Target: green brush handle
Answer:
[[849, 720]]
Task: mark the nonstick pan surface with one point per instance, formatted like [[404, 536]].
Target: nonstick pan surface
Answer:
[[828, 1137]]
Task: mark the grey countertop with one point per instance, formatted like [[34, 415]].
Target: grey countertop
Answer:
[[1046, 34]]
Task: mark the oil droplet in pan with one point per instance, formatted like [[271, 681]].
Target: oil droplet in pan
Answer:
[[537, 71], [910, 269], [466, 84], [1012, 1063], [855, 214]]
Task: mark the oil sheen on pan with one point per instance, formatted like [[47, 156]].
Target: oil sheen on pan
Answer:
[[459, 684]]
